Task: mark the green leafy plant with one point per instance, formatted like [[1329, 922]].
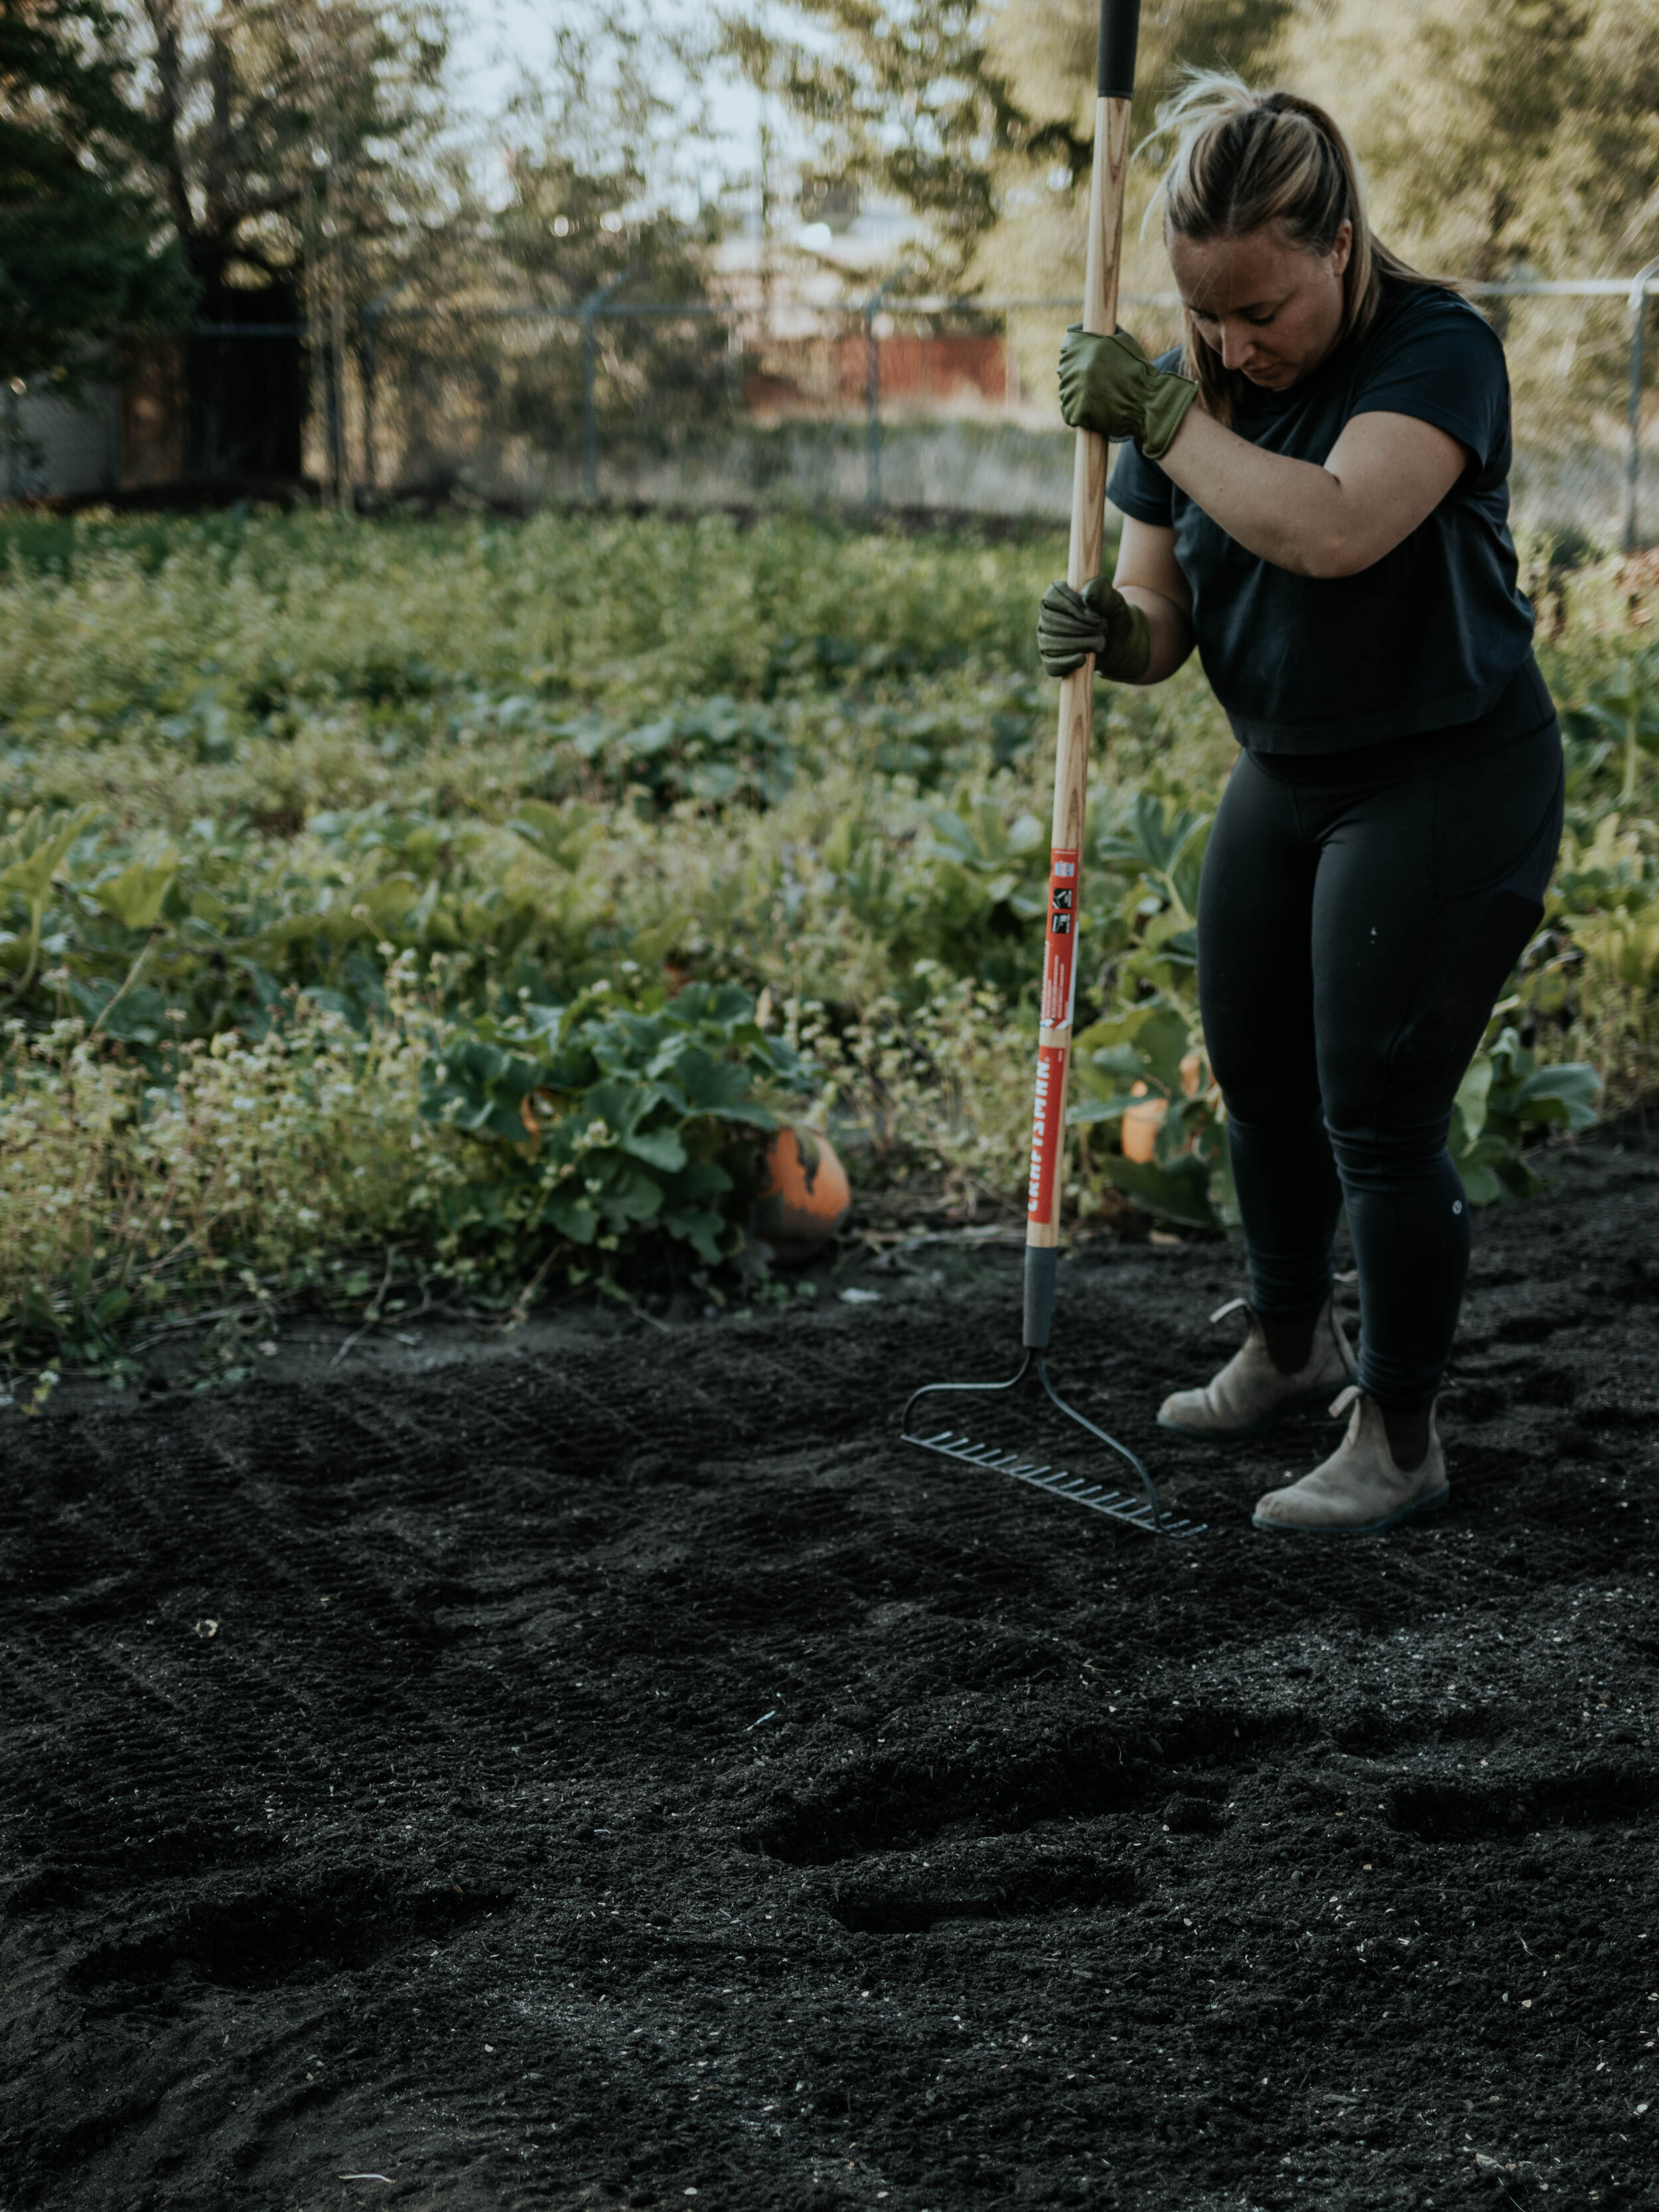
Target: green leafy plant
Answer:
[[626, 1134], [1505, 1099], [1150, 857], [1151, 1056], [721, 751], [291, 806], [30, 861], [1624, 707]]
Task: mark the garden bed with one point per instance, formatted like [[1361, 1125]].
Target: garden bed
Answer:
[[624, 1771]]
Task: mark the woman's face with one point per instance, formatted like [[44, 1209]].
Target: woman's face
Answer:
[[1272, 310]]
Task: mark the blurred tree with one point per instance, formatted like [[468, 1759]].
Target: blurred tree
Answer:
[[1507, 138], [597, 190], [902, 94], [604, 148], [85, 244], [980, 114], [1045, 52], [601, 200], [1498, 133], [285, 122], [304, 156]]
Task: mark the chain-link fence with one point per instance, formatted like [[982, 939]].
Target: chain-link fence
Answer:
[[883, 400], [905, 402]]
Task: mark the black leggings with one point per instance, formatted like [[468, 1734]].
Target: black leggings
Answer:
[[1352, 939]]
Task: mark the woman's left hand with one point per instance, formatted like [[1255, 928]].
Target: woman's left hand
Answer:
[[1107, 385]]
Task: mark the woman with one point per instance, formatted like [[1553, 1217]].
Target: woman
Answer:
[[1316, 497]]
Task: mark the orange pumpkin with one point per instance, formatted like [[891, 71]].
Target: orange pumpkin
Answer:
[[1142, 1123], [805, 1196]]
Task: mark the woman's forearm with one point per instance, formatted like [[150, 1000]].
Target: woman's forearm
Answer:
[[1384, 475], [1290, 512], [1171, 627]]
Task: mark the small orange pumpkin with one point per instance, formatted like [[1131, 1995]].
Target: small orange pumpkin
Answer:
[[805, 1196], [1142, 1123]]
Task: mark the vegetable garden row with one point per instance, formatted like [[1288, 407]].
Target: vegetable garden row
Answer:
[[404, 910]]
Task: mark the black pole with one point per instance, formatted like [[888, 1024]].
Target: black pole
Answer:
[[1114, 57]]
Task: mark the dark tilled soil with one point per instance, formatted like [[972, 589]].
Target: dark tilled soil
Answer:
[[634, 1774]]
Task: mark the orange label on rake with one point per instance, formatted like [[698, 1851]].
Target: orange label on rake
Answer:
[[1046, 1132], [1059, 950]]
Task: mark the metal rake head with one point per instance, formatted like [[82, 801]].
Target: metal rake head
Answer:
[[1138, 1510]]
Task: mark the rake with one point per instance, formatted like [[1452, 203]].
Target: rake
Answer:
[[1120, 23]]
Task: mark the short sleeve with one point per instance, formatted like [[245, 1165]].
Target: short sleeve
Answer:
[[1444, 365], [1140, 488]]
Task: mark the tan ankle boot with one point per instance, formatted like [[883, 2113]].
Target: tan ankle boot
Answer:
[[1359, 1490], [1251, 1394]]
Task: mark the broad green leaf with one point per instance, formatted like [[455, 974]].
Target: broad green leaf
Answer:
[[135, 897], [626, 1193], [1112, 1060], [1472, 1093], [560, 834], [388, 902], [657, 1148], [140, 1014], [699, 1179], [1565, 1093], [574, 1218], [1482, 1185], [1162, 1041], [621, 1105], [31, 856], [708, 1085], [1179, 1191], [699, 1227], [1090, 1110]]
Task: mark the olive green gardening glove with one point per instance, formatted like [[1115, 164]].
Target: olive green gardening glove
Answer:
[[1109, 386], [1098, 619]]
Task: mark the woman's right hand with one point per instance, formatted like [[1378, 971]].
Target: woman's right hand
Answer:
[[1109, 386], [1098, 619]]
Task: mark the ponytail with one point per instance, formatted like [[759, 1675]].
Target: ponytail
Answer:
[[1246, 160]]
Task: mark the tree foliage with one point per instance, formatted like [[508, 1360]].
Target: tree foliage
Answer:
[[83, 245], [1045, 50], [595, 151], [902, 94], [283, 121], [1496, 134], [593, 167]]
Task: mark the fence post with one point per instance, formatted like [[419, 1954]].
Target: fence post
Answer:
[[369, 362], [592, 306], [871, 404], [590, 407], [872, 393], [1639, 316]]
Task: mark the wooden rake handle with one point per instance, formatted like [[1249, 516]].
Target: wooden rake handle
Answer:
[[1120, 24]]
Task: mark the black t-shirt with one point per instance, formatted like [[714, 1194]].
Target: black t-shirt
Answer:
[[1426, 638]]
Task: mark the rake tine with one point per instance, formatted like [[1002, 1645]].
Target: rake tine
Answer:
[[1140, 1511]]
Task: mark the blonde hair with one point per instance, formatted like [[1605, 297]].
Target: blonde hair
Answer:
[[1244, 159]]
